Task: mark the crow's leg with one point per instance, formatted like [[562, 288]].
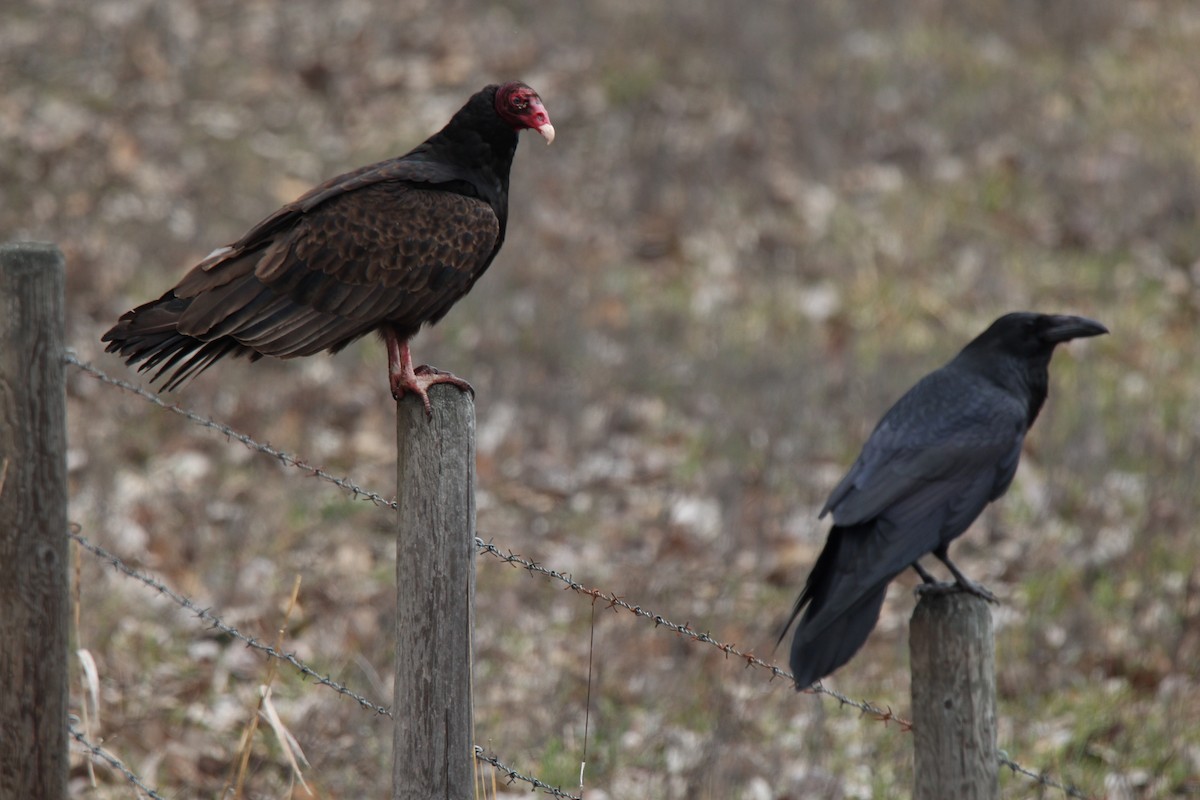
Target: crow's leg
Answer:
[[924, 573], [965, 583]]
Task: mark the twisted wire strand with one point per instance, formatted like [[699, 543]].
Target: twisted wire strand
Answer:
[[615, 601], [513, 776], [216, 622], [98, 753]]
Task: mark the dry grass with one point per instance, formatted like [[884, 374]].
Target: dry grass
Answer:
[[754, 230]]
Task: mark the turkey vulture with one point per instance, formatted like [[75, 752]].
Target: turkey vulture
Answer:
[[388, 247], [945, 450]]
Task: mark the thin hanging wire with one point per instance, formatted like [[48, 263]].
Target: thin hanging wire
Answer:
[[587, 708]]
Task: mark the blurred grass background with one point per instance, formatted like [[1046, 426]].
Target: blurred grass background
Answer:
[[756, 228]]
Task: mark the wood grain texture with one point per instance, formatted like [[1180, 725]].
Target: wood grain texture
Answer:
[[33, 525], [954, 698], [435, 597]]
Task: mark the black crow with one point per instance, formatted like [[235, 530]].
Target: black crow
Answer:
[[945, 450]]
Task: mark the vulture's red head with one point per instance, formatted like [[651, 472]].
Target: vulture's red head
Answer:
[[520, 107]]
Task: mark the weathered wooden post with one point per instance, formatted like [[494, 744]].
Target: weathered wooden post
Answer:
[[954, 698], [33, 525], [433, 749]]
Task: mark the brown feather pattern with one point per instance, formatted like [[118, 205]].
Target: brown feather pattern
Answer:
[[337, 274]]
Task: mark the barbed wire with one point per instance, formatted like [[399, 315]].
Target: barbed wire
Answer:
[[99, 753], [205, 422], [867, 708], [358, 491], [614, 601], [324, 680], [513, 776], [1042, 778], [216, 622]]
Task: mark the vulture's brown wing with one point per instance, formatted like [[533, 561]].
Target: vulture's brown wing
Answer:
[[412, 170], [382, 253]]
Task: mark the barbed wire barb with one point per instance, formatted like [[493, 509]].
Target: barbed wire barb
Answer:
[[513, 775], [1042, 778], [100, 754]]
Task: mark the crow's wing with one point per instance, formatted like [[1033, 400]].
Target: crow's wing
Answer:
[[945, 450], [952, 432]]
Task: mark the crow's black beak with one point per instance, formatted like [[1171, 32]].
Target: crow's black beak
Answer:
[[1064, 328]]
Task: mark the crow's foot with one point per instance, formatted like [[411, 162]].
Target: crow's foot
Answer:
[[954, 587]]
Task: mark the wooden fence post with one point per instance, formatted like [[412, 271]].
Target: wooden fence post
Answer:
[[433, 749], [953, 659], [33, 525]]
